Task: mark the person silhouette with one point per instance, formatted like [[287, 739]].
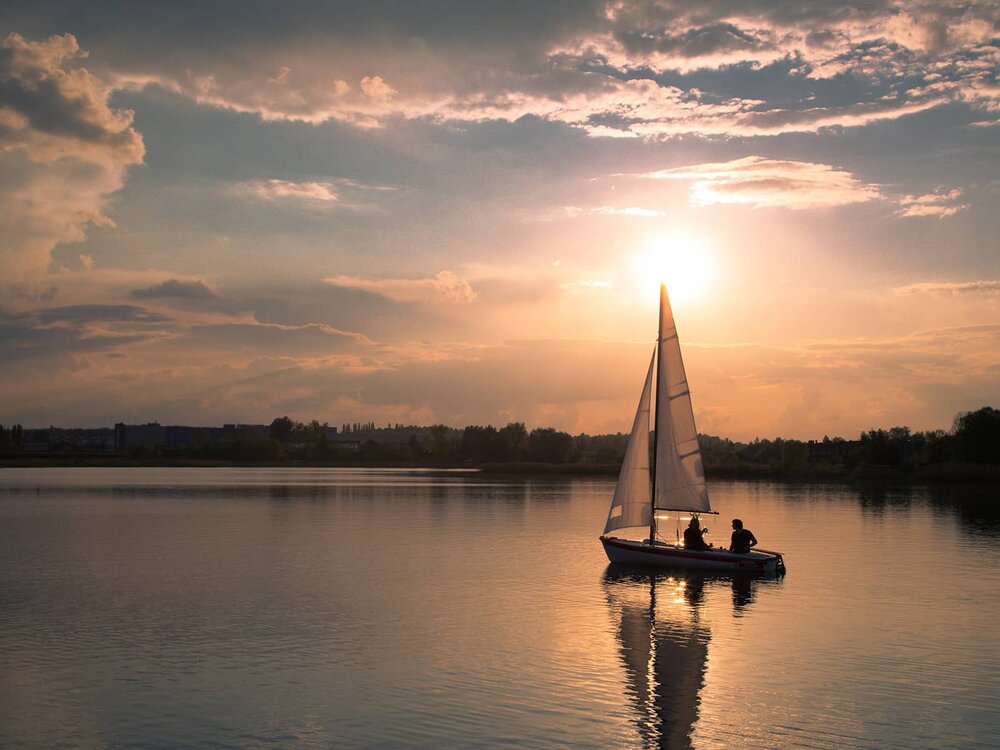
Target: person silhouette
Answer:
[[743, 539], [694, 535]]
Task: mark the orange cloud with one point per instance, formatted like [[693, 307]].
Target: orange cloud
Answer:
[[63, 149], [939, 204], [760, 182]]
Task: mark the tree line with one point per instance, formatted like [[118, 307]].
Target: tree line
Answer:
[[973, 439]]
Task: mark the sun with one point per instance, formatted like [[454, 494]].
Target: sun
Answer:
[[682, 260]]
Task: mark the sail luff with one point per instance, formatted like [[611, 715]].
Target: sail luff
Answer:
[[631, 505], [679, 482]]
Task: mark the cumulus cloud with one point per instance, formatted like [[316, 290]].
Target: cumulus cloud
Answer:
[[761, 182], [63, 150], [376, 88], [445, 286], [940, 205]]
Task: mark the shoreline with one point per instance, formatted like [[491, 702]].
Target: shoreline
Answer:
[[931, 474]]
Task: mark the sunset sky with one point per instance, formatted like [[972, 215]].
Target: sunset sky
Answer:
[[457, 212]]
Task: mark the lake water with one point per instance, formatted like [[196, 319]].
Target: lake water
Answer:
[[300, 608]]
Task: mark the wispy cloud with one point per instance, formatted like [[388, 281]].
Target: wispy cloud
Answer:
[[984, 287], [634, 212], [445, 286], [761, 182], [315, 192]]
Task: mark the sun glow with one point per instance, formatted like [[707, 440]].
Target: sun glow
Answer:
[[682, 260]]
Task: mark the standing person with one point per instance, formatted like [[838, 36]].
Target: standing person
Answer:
[[743, 539], [694, 535]]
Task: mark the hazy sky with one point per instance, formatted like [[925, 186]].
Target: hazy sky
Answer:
[[457, 211]]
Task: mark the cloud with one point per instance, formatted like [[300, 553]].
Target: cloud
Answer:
[[920, 379], [176, 289], [638, 212], [312, 340], [985, 287], [321, 195], [761, 182], [376, 88], [443, 287], [321, 192], [940, 204], [621, 68], [63, 150], [82, 314]]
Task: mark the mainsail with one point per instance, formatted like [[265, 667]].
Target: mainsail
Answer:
[[631, 505], [680, 477]]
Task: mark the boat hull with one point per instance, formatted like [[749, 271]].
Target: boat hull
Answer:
[[633, 552]]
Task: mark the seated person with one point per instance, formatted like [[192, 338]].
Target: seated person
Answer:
[[694, 536], [743, 539]]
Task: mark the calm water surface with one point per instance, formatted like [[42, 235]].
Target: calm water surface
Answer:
[[235, 608]]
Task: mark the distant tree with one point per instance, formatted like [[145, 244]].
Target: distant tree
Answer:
[[441, 447], [551, 446], [314, 436], [933, 447], [977, 434], [249, 444], [481, 444], [281, 429], [794, 455], [513, 441], [416, 450]]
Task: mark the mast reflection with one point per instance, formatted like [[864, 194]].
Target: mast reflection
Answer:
[[663, 640]]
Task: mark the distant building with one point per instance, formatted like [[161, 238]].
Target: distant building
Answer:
[[131, 436], [128, 437], [828, 451]]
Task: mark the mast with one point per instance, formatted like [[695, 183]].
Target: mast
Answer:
[[656, 421]]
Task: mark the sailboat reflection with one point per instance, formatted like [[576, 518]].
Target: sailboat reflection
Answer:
[[664, 645]]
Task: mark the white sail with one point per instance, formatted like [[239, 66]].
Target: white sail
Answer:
[[631, 505], [680, 477]]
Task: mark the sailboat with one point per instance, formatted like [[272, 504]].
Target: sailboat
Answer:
[[668, 476]]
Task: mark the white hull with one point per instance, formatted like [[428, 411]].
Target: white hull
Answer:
[[660, 555]]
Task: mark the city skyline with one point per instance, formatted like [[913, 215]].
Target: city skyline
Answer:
[[459, 214]]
